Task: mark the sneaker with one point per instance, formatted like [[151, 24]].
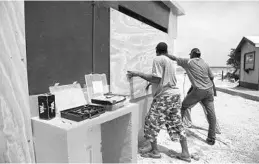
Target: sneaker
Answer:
[[210, 141]]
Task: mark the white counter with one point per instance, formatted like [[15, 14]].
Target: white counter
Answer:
[[108, 138]]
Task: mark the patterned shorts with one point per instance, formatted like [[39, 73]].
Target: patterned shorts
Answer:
[[165, 110]]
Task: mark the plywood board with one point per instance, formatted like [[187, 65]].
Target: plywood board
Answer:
[[132, 48], [15, 125], [138, 87]]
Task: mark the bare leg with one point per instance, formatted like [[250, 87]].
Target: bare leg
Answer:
[[185, 151], [154, 147]]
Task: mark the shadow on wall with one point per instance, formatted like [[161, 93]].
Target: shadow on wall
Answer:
[[120, 145]]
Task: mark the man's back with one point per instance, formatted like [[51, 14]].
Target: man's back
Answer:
[[198, 72], [164, 68]]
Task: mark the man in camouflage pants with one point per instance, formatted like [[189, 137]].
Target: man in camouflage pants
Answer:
[[165, 108]]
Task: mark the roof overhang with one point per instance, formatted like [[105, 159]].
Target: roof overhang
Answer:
[[175, 7], [243, 40]]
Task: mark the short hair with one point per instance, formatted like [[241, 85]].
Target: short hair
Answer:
[[196, 52], [161, 48]]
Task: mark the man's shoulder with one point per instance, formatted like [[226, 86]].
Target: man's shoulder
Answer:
[[196, 60], [201, 61], [160, 59], [183, 61]]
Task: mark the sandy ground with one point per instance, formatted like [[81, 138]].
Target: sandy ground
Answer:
[[238, 142]]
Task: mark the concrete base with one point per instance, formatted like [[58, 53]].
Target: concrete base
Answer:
[[249, 85], [144, 104], [254, 97], [109, 138]]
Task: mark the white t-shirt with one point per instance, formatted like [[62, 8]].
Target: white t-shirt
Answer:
[[164, 68]]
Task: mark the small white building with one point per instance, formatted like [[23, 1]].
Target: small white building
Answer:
[[248, 48]]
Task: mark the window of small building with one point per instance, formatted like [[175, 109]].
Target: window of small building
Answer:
[[249, 61]]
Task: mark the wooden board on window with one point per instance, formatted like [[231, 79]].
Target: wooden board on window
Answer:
[[132, 48]]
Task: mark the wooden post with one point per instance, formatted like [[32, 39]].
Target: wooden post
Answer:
[[222, 75]]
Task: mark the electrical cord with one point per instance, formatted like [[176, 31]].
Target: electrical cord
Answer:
[[184, 75]]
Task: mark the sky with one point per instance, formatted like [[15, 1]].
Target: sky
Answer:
[[215, 27]]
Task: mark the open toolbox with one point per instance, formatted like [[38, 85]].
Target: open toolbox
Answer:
[[71, 103], [108, 99], [99, 92], [82, 112]]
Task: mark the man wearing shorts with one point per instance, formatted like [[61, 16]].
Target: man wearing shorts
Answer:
[[166, 104]]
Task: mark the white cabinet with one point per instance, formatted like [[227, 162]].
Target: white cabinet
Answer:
[[109, 138]]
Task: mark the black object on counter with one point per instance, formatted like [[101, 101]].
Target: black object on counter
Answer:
[[47, 106], [82, 112]]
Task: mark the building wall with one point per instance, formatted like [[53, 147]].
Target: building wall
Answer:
[[252, 76], [257, 54], [61, 47], [15, 126], [59, 43], [64, 44], [66, 40]]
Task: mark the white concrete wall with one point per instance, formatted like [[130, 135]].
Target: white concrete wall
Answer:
[[252, 76], [15, 125], [257, 63]]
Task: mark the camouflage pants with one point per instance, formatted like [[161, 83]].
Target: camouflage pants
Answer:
[[165, 110]]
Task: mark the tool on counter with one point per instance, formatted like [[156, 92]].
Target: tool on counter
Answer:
[[99, 92], [83, 112]]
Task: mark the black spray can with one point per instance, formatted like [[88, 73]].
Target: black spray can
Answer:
[[47, 107]]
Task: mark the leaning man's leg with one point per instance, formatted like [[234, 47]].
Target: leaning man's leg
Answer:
[[209, 106], [189, 101]]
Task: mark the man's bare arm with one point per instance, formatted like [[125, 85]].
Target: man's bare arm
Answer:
[[148, 77], [211, 76]]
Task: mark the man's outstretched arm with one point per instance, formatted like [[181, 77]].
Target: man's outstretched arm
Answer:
[[148, 77], [172, 57], [183, 62]]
